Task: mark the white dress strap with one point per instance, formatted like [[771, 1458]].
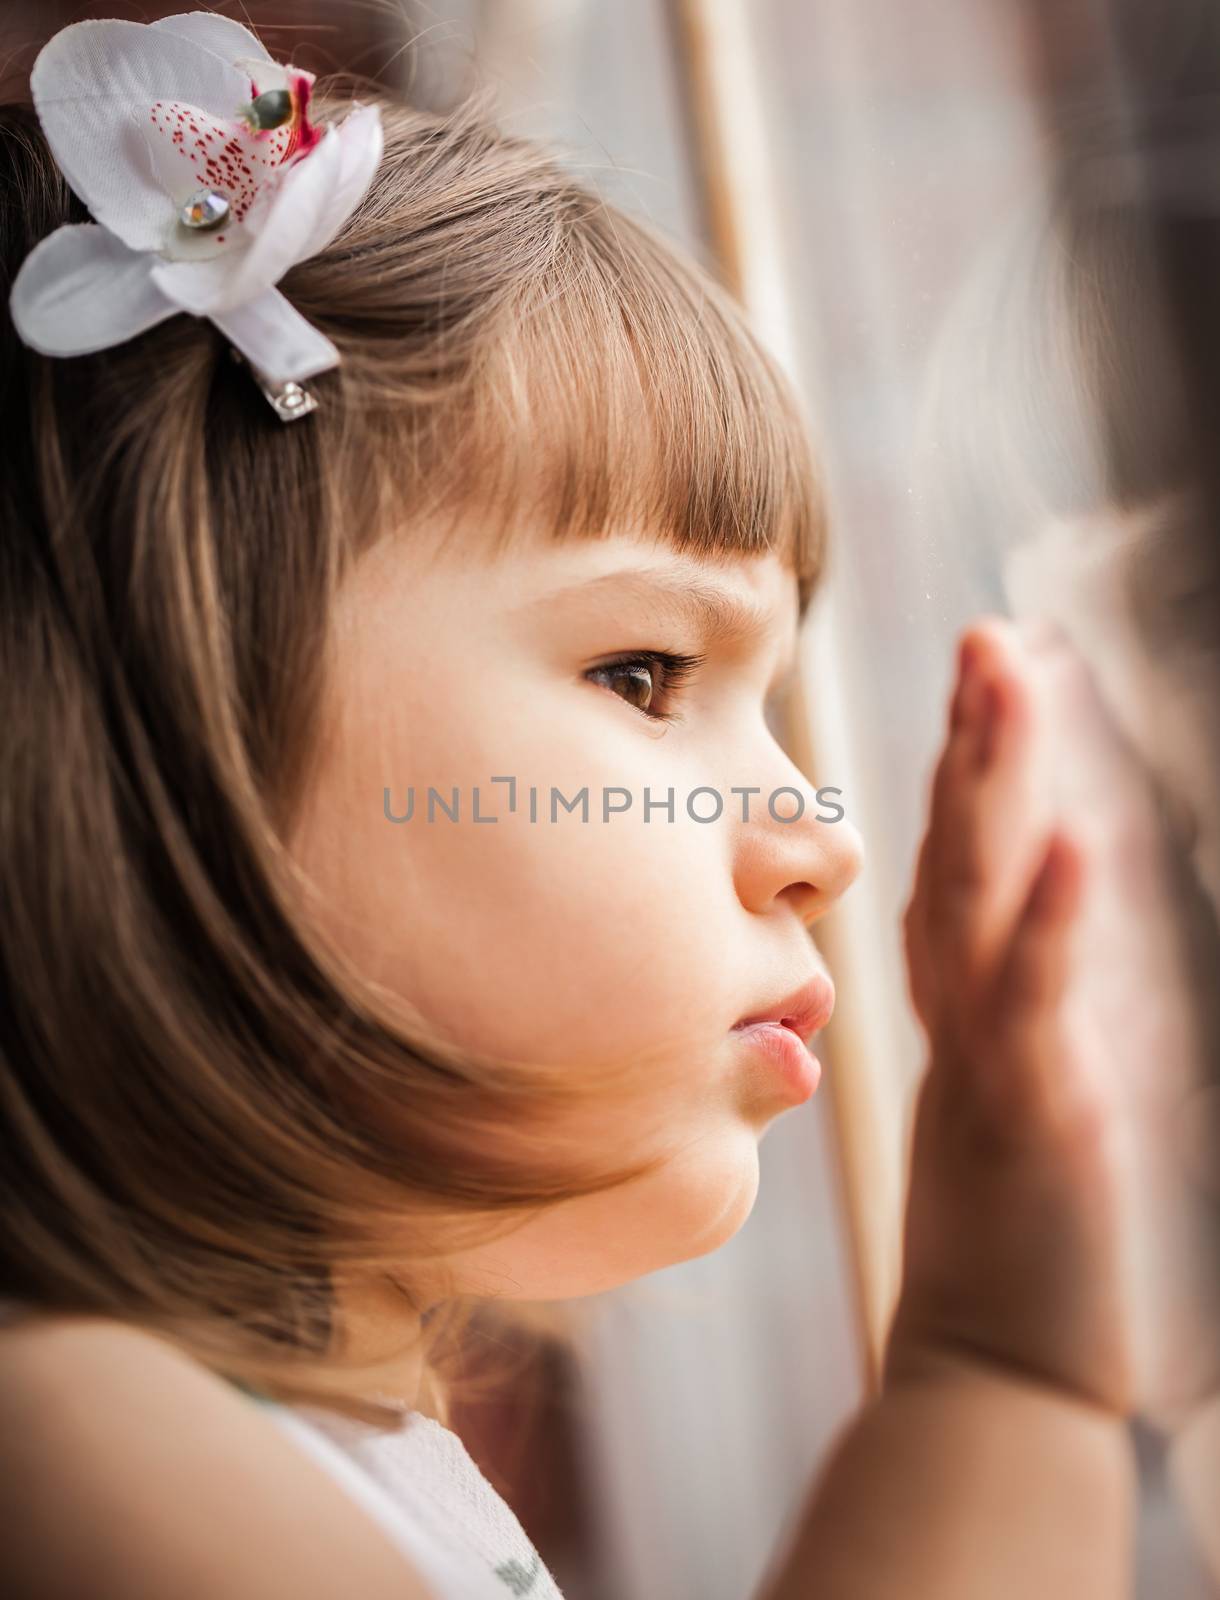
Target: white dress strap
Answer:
[[424, 1489]]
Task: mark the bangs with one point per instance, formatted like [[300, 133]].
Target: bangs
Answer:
[[626, 393]]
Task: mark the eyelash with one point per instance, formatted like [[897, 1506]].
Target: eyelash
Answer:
[[677, 670]]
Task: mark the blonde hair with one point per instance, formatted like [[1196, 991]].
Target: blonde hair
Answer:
[[205, 1118]]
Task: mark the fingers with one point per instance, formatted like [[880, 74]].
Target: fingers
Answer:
[[1033, 977], [1031, 1075], [989, 815], [953, 768], [985, 808], [958, 759]]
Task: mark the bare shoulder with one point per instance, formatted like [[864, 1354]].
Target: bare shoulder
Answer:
[[128, 1471]]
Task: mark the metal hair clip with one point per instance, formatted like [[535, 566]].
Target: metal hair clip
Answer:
[[289, 400]]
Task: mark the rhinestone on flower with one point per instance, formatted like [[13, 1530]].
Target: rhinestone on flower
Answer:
[[207, 208], [271, 109]]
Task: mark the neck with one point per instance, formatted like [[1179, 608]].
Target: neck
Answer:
[[382, 1355]]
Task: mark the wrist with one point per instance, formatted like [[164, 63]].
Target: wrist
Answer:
[[965, 1478], [916, 1358]]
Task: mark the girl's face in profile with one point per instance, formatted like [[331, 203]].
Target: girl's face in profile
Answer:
[[575, 939]]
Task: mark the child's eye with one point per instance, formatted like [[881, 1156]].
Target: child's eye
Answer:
[[650, 679]]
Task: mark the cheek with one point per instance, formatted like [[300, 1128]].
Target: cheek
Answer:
[[568, 941], [559, 940], [570, 938]]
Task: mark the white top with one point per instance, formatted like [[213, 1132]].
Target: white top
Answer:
[[427, 1493], [423, 1487]]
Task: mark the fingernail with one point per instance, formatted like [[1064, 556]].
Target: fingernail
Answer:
[[967, 658]]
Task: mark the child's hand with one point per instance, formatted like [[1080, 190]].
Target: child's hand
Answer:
[[996, 1460], [1011, 1238]]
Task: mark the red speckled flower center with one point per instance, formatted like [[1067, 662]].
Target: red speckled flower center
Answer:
[[231, 156]]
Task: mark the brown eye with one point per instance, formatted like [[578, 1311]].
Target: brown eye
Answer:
[[633, 682], [647, 680]]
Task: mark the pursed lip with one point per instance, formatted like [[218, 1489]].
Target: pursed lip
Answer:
[[804, 1011]]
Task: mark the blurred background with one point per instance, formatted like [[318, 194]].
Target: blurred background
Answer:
[[985, 242]]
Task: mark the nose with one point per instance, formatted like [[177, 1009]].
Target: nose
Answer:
[[790, 848]]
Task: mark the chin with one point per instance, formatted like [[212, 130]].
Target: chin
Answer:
[[727, 1200], [688, 1209], [702, 1205]]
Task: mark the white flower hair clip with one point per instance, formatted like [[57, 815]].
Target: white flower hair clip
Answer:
[[196, 156]]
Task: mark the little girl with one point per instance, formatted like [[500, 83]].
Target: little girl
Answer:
[[405, 899]]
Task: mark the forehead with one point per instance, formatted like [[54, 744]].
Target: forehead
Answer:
[[627, 559], [730, 598]]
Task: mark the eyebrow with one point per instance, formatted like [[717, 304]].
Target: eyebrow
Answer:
[[722, 618]]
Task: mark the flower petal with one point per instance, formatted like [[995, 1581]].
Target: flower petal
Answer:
[[195, 286], [221, 35], [273, 335], [264, 75], [176, 168], [92, 82], [81, 289], [361, 142], [299, 207], [190, 149]]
